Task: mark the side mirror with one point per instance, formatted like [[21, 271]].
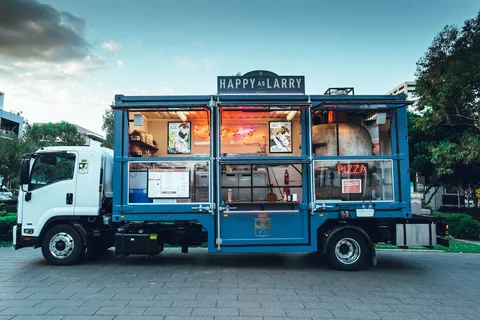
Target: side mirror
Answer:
[[25, 172]]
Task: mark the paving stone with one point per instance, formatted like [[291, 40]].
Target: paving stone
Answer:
[[310, 313], [152, 311], [195, 304], [217, 297], [144, 318], [89, 318], [355, 314], [176, 296], [19, 303], [445, 316], [63, 303], [295, 298], [150, 303], [400, 315], [104, 303], [261, 312], [15, 311], [215, 312], [258, 297], [411, 308], [125, 311], [368, 306], [73, 311], [282, 305], [238, 304], [244, 318], [188, 318], [37, 317], [14, 296], [326, 306]]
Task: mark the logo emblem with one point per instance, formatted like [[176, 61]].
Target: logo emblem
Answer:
[[263, 225]]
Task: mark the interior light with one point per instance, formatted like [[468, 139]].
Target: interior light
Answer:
[[291, 114], [182, 115]]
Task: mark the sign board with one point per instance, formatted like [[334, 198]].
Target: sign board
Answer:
[[261, 82], [351, 186], [477, 193], [168, 183]]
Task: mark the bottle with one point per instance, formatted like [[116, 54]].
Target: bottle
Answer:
[[284, 195], [229, 196]]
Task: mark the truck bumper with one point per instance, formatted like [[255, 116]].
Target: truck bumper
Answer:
[[20, 241]]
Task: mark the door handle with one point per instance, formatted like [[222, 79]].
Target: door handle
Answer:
[[69, 198]]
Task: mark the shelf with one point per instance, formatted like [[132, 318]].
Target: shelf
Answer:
[[144, 144]]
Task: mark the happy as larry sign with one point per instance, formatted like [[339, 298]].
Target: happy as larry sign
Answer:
[[257, 82]]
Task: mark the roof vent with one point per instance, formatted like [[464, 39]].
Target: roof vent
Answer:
[[340, 91]]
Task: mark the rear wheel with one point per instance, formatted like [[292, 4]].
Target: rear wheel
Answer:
[[62, 245], [348, 250]]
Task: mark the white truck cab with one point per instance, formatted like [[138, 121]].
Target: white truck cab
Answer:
[[60, 188]]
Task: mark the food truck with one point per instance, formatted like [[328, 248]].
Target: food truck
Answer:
[[261, 167]]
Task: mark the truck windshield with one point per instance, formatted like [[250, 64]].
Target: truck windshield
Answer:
[[49, 169]]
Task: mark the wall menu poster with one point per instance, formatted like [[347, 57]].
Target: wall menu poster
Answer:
[[351, 186], [280, 136], [179, 138], [171, 183]]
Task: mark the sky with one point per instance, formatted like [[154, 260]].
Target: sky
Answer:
[[65, 59]]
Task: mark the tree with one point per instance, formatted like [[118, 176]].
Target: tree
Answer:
[[34, 137], [448, 88], [51, 134], [10, 157], [108, 126]]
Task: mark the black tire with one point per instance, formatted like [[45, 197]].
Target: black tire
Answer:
[[69, 236], [351, 242]]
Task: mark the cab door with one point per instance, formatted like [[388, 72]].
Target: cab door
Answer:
[[51, 191]]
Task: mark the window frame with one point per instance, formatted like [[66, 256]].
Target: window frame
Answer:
[[33, 187]]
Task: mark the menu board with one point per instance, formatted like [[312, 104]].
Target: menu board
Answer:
[[351, 186], [168, 183]]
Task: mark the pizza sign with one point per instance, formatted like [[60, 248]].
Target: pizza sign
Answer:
[[352, 168]]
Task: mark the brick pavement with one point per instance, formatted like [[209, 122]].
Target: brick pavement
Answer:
[[201, 286]]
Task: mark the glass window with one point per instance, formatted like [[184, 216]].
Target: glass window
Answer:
[[169, 182], [261, 183], [353, 180], [49, 169], [169, 133], [255, 131], [351, 133]]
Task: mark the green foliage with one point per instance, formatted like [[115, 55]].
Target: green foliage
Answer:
[[52, 134], [35, 137], [445, 142], [461, 225], [108, 127], [6, 225], [10, 154]]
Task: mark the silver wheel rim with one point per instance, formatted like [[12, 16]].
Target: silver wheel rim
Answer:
[[347, 251], [61, 245]]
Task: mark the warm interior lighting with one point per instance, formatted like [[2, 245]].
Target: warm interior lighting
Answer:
[[291, 114], [182, 115]]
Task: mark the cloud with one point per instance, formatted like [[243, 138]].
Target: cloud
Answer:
[[182, 61], [30, 30], [120, 63], [111, 46]]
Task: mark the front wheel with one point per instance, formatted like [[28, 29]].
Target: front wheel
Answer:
[[348, 250], [62, 245]]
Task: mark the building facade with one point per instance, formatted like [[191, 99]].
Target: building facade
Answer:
[[11, 124]]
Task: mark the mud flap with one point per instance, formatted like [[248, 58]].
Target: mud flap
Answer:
[[374, 257]]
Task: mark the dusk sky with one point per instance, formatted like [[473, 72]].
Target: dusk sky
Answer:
[[65, 59]]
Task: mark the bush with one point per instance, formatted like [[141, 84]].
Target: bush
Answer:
[[461, 225], [8, 205], [6, 226]]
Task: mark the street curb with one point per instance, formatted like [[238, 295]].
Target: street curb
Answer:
[[409, 250]]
